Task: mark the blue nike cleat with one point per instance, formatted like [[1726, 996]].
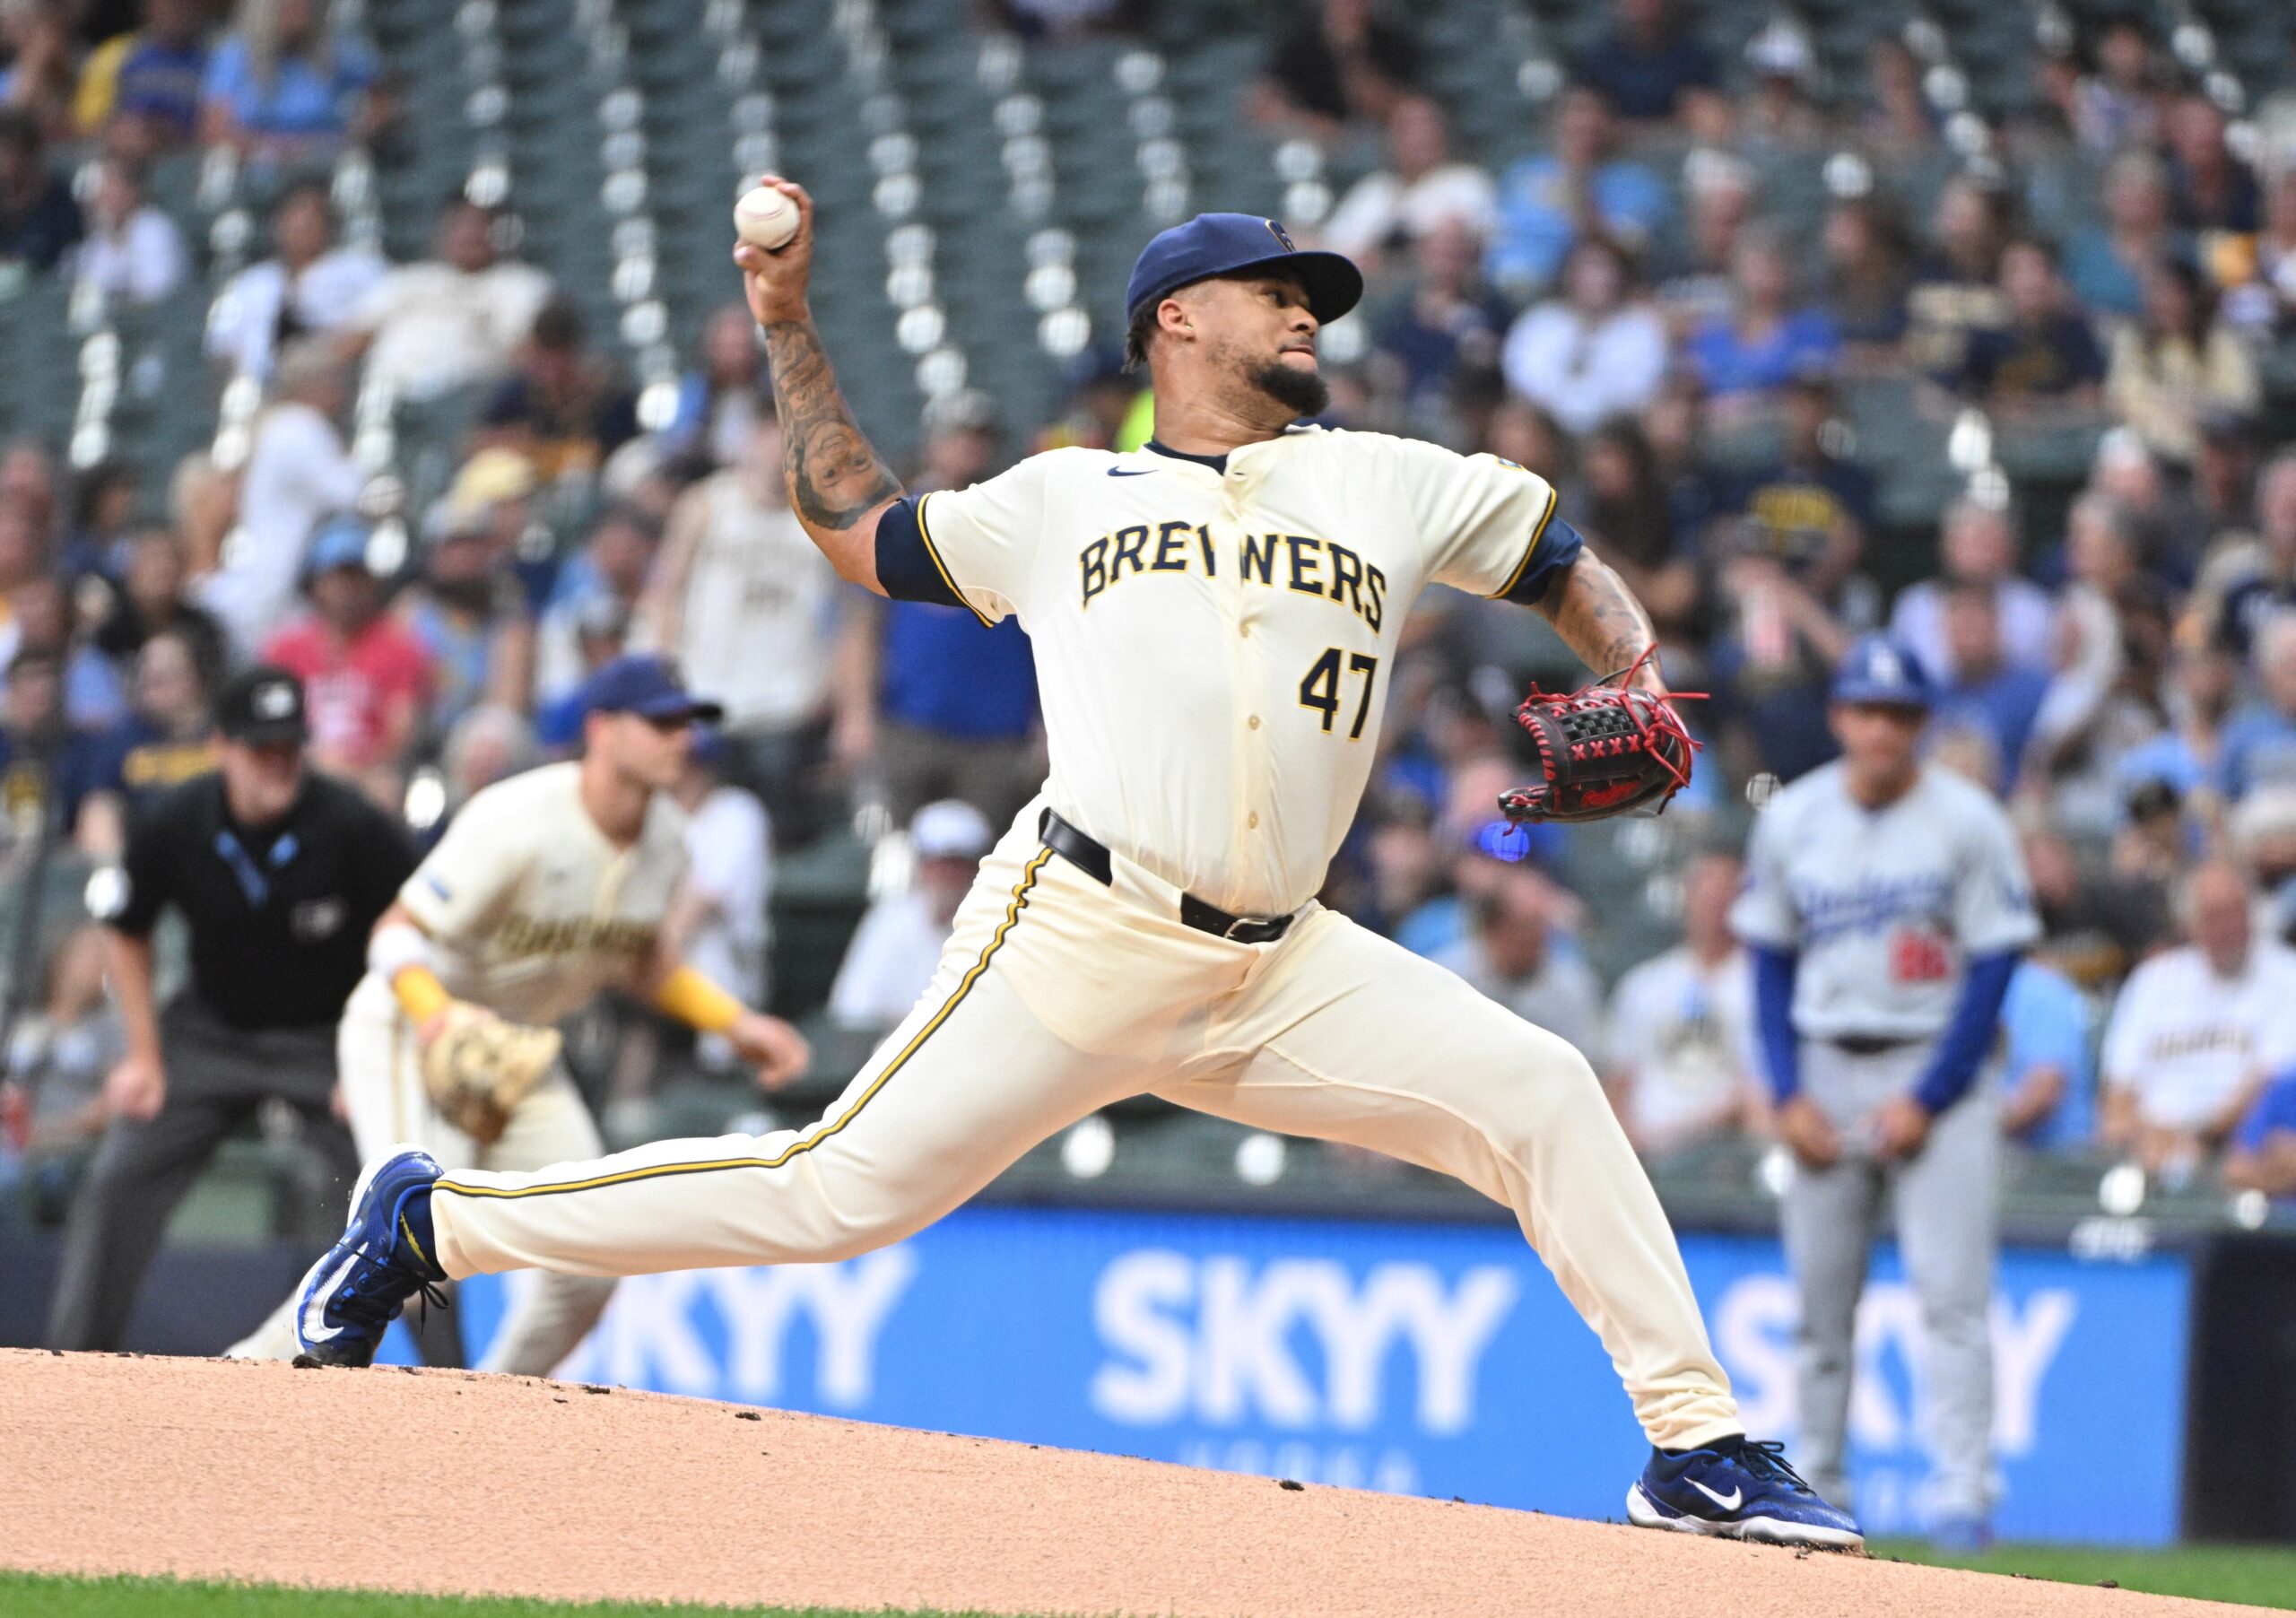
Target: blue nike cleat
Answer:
[[353, 1293], [1737, 1490]]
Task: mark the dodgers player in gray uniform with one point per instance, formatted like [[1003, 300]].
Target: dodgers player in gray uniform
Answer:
[[1885, 904]]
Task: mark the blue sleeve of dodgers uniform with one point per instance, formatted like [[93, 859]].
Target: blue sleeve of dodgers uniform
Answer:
[[906, 565], [1953, 1065], [1774, 1018]]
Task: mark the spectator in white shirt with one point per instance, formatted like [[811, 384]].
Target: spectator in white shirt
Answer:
[[1680, 1025], [2196, 1029], [308, 286], [133, 253], [298, 471], [1514, 953], [450, 320], [1421, 190], [718, 918], [758, 617], [1597, 351], [892, 957], [1978, 544]]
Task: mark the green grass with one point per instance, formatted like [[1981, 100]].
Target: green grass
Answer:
[[2254, 1575], [34, 1596]]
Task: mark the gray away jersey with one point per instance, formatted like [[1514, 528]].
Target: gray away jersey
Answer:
[[1886, 907]]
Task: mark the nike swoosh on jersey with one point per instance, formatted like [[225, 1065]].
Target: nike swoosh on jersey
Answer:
[[315, 1326], [1729, 1503], [1130, 471]]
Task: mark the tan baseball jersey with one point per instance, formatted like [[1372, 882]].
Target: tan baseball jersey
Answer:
[[1213, 634], [531, 910]]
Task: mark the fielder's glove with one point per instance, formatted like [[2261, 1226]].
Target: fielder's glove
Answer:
[[1603, 749], [478, 1067]]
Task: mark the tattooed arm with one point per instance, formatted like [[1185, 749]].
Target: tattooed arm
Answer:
[[838, 486], [1599, 619]]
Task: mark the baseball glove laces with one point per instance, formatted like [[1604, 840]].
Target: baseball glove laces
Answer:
[[1607, 748]]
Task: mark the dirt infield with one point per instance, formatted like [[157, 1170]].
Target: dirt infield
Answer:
[[450, 1481]]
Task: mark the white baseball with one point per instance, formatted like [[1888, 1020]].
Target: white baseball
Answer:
[[765, 218]]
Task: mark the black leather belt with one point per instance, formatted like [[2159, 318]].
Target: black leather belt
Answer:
[[1869, 1045], [1091, 855]]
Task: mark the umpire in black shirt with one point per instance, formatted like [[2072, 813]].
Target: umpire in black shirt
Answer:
[[280, 874]]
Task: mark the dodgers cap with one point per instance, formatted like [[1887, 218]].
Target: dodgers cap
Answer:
[[647, 686], [1223, 244], [1878, 669]]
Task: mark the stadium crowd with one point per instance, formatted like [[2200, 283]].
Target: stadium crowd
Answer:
[[1624, 311]]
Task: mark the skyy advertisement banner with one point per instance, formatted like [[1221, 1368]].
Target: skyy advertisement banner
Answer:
[[1432, 1360]]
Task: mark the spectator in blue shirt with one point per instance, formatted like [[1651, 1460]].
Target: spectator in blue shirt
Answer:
[[2049, 1091], [283, 85], [2106, 263], [162, 74], [2260, 740], [1986, 684], [1545, 202], [1770, 337], [1647, 63], [956, 711], [2262, 1154]]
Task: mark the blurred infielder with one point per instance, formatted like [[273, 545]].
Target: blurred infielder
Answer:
[[1886, 903], [1213, 619], [547, 889]]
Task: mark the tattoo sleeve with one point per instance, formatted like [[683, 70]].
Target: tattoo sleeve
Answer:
[[1598, 617], [834, 476]]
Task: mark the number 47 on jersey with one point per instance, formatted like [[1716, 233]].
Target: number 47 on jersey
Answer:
[[1320, 688]]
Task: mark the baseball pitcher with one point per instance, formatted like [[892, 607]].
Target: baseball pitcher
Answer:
[[547, 889], [1214, 619], [1885, 904]]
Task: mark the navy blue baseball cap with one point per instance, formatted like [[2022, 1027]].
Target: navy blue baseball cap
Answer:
[[1223, 244], [1878, 669], [647, 686]]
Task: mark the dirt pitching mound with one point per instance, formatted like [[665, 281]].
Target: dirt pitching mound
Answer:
[[450, 1481]]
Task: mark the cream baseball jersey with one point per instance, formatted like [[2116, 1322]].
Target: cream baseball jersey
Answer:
[[1213, 634], [530, 909]]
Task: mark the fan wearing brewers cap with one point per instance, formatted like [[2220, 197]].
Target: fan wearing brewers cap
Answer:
[[548, 889], [278, 873]]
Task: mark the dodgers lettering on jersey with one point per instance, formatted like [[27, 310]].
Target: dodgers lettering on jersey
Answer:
[[1213, 635], [530, 909], [1886, 907]]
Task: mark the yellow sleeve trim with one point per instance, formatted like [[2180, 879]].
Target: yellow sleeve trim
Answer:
[[693, 1000], [1538, 532], [933, 551], [420, 993]]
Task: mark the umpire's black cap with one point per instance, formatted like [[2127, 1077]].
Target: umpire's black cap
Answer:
[[262, 707], [1226, 243]]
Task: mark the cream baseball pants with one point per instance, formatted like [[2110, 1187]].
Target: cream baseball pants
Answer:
[[382, 1090], [1058, 994]]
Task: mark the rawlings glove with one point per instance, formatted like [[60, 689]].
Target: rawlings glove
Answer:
[[478, 1067], [1604, 749]]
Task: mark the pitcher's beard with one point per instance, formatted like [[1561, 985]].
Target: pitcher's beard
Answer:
[[1302, 392]]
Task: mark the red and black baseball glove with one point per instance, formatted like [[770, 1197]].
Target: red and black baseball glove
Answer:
[[1604, 749]]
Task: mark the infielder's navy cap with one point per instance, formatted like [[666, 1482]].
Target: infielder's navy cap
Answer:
[[1223, 244], [1878, 669], [647, 686]]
